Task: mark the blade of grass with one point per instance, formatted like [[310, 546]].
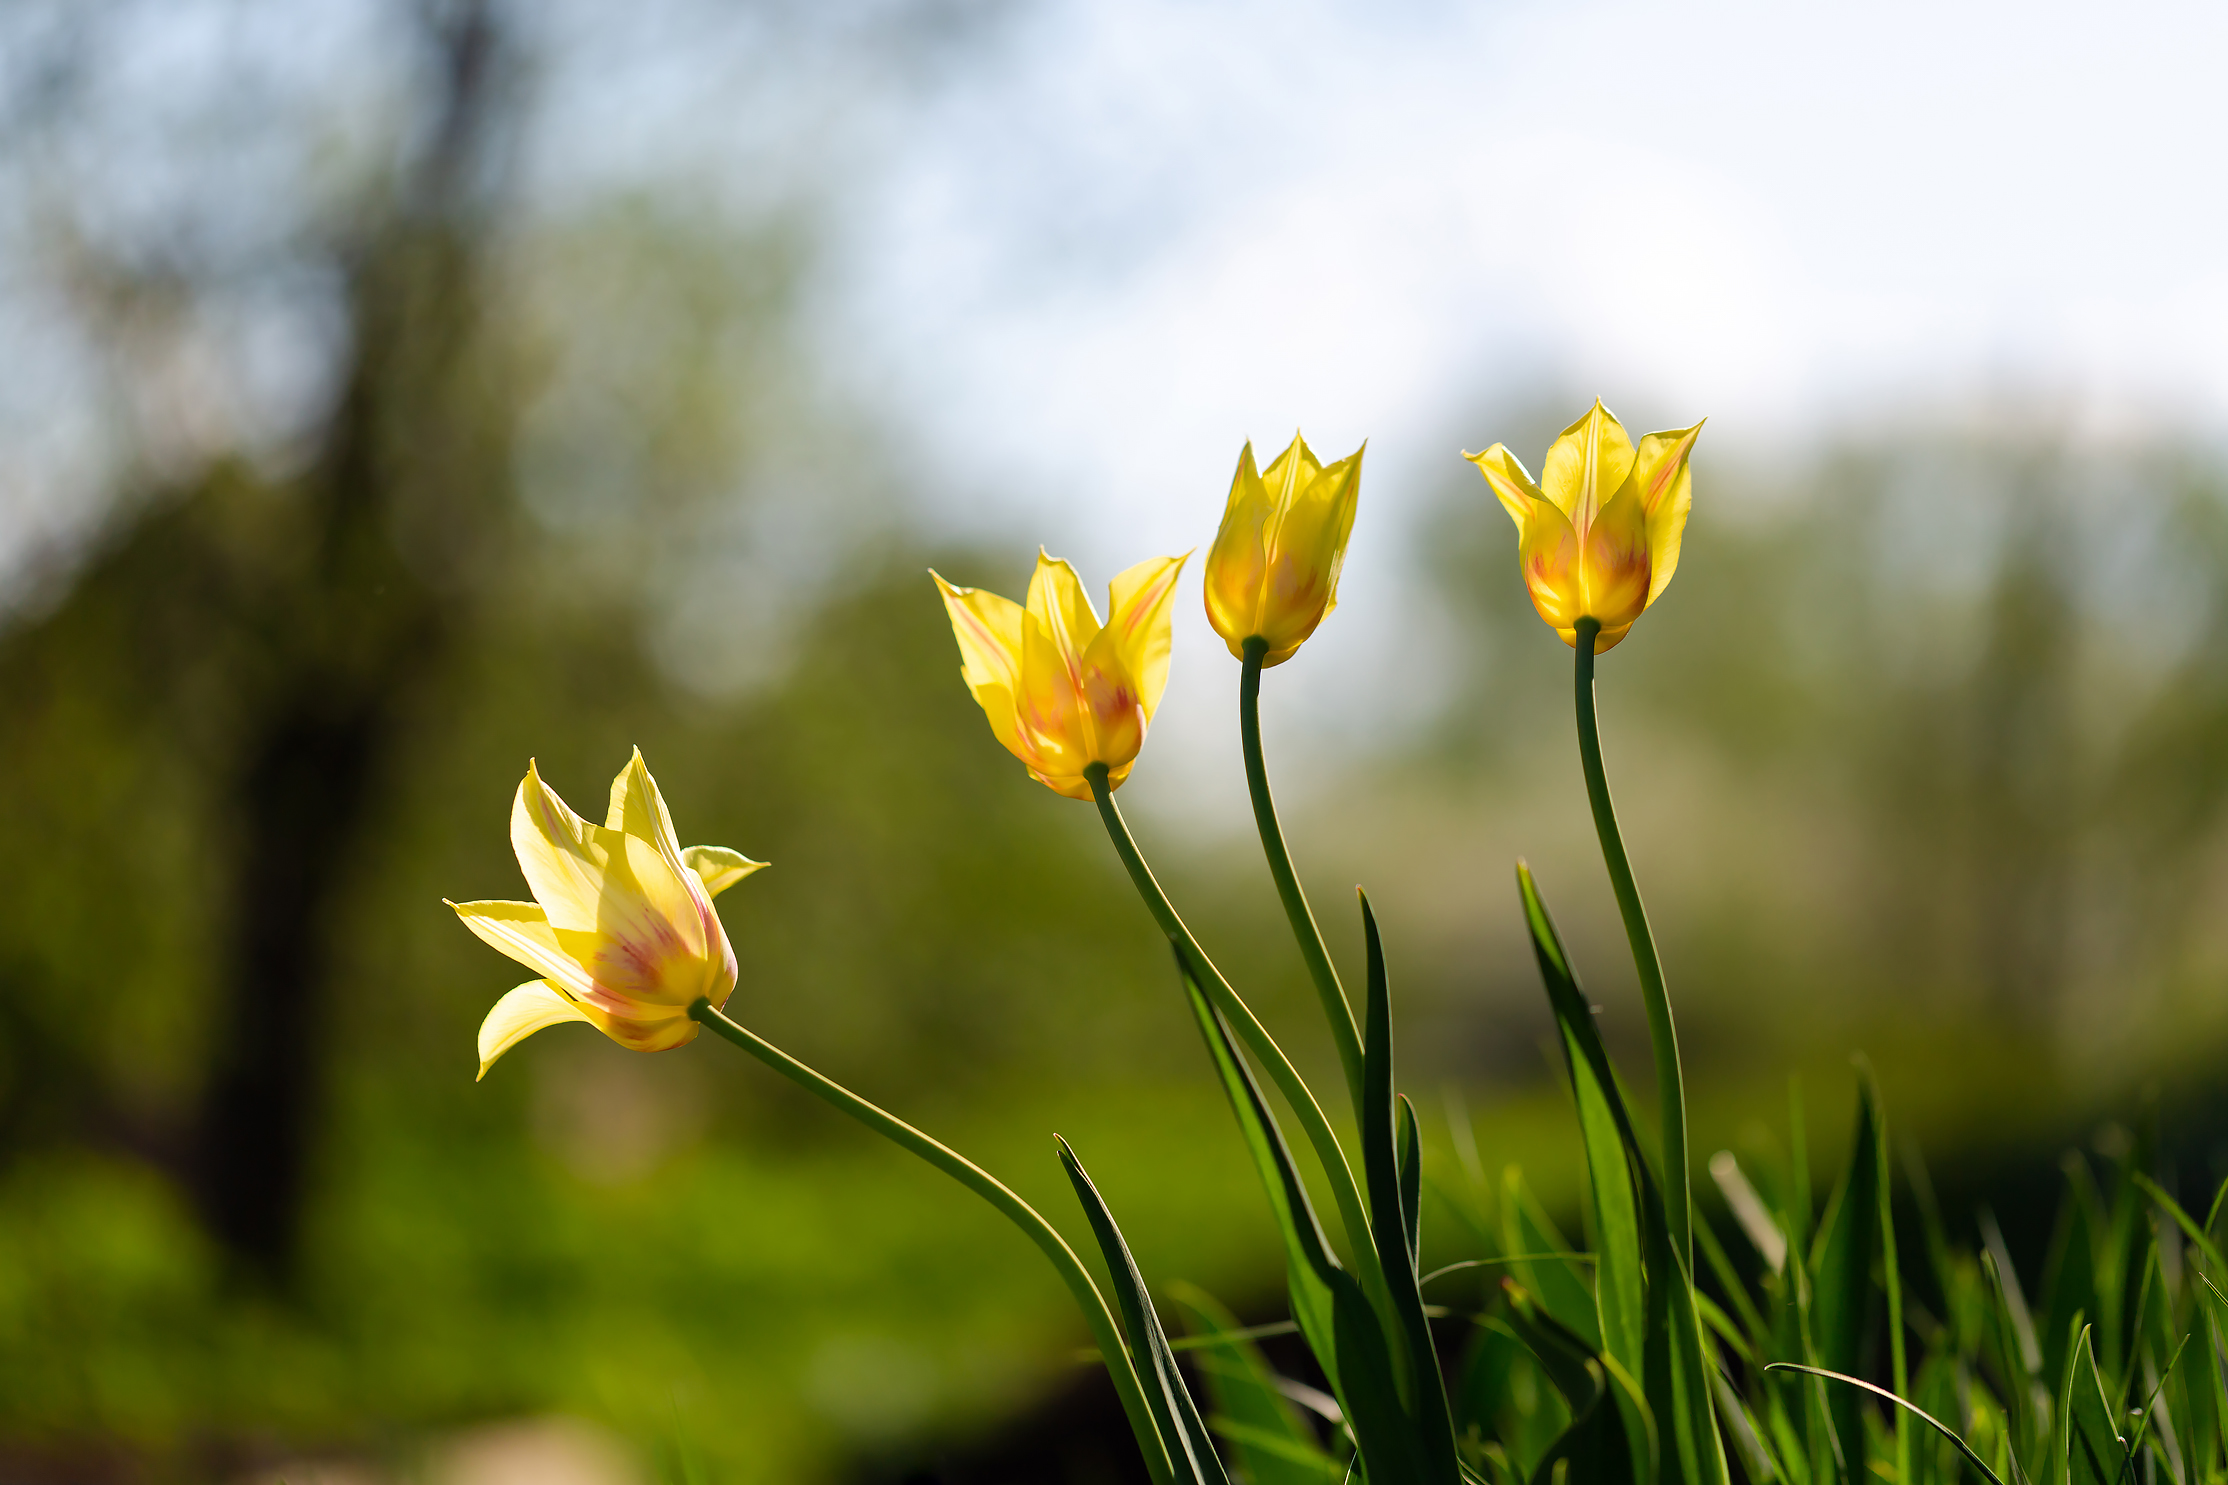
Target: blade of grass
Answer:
[[1927, 1418], [1427, 1392], [1194, 1452], [1275, 1445]]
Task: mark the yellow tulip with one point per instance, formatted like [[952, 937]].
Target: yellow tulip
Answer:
[[1061, 691], [1598, 536], [1273, 571], [621, 929]]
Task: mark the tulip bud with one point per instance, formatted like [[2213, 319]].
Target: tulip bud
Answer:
[[1273, 572], [1062, 691], [1598, 536], [621, 928]]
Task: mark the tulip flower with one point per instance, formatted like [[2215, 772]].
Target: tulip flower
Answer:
[[621, 929], [1599, 533], [1061, 691], [1273, 572]]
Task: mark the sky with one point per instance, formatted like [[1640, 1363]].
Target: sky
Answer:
[[1146, 231]]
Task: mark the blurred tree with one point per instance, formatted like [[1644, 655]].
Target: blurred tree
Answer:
[[280, 629], [394, 520]]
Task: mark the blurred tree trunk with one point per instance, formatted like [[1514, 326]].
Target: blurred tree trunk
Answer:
[[396, 513]]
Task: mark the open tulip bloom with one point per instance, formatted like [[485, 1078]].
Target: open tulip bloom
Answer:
[[1063, 692], [1585, 1368], [621, 928], [1599, 533]]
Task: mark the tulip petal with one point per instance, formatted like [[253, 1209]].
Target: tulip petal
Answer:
[[1548, 555], [561, 854], [1307, 552], [1238, 561], [1290, 472], [719, 868], [1139, 606], [1510, 480], [663, 916], [521, 930], [1055, 726], [1664, 481], [1059, 602], [638, 809], [1586, 465], [988, 629], [1613, 563], [531, 1007]]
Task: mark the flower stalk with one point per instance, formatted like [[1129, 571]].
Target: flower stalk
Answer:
[[1337, 1010], [1662, 1034], [1353, 1212], [1119, 1363]]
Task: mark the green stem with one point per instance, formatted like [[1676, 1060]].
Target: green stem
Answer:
[[990, 1189], [1336, 1008], [1351, 1210], [1670, 1083], [1701, 1434]]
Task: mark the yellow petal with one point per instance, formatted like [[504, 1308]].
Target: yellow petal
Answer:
[[521, 930], [1291, 472], [662, 915], [719, 868], [1586, 465], [988, 629], [1510, 480], [1076, 786], [1548, 555], [638, 809], [1111, 701], [519, 1014], [1664, 481], [564, 857], [1140, 608], [1613, 563], [1307, 552], [1057, 600], [1238, 560]]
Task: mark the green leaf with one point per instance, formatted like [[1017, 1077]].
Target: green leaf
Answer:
[[1335, 1317], [1757, 1459], [2182, 1219], [1411, 1181], [1526, 1229], [1275, 1446], [2069, 1284], [1665, 1330], [1848, 1245], [2095, 1452], [1190, 1450], [1506, 1402], [1391, 1208], [1611, 1437], [1606, 1129]]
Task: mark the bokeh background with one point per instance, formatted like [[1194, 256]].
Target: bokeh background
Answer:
[[395, 390]]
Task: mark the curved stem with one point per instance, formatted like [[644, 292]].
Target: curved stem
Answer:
[[1352, 1212], [1670, 1083], [990, 1189], [1336, 1008]]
